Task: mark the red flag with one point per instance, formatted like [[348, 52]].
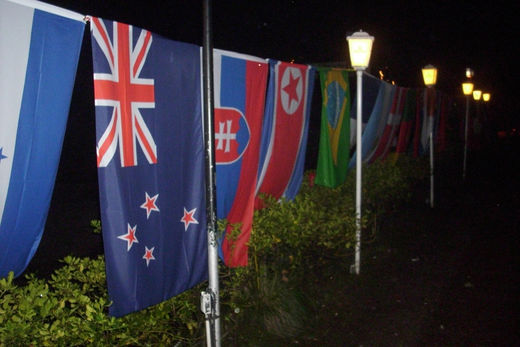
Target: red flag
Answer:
[[284, 136]]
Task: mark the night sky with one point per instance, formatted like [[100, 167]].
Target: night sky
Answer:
[[451, 35]]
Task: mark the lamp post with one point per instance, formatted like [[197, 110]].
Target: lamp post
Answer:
[[477, 95], [467, 89], [486, 97], [360, 47], [429, 73]]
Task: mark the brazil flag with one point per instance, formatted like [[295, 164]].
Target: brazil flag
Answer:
[[334, 156]]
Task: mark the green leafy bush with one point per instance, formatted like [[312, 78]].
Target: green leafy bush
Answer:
[[261, 302], [71, 309]]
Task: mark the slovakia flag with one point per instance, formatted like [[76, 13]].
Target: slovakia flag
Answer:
[[39, 52], [150, 156], [240, 85], [285, 128]]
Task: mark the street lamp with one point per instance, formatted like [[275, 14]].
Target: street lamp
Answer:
[[469, 73], [477, 94], [429, 73], [467, 89], [486, 97], [360, 47]]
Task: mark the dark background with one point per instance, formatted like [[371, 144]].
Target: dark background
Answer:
[[450, 35]]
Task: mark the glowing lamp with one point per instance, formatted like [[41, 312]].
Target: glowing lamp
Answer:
[[360, 47], [486, 97], [477, 94], [469, 72], [467, 88], [429, 73]]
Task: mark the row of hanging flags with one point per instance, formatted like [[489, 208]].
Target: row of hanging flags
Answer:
[[395, 121], [150, 148]]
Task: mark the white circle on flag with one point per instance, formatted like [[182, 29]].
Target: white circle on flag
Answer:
[[291, 89]]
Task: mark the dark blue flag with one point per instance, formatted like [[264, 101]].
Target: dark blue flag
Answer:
[[150, 155]]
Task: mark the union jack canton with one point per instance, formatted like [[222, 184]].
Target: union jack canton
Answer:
[[126, 92]]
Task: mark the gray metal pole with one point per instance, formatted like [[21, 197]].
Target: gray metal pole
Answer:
[[210, 302], [431, 123], [465, 138], [359, 163], [432, 177]]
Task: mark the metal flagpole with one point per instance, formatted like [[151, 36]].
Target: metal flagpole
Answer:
[[210, 303]]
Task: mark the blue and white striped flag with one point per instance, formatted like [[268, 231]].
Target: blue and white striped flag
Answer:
[[39, 52]]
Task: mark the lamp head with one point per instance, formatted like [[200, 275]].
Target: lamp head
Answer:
[[360, 47], [477, 94], [467, 88], [429, 73]]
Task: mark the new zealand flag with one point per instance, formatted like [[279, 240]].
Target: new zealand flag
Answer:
[[150, 157]]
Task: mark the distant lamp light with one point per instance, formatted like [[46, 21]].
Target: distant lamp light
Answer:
[[467, 88], [469, 72], [477, 94], [429, 73], [360, 47], [486, 97]]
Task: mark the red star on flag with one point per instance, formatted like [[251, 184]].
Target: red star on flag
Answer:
[[129, 237], [148, 255], [290, 89], [188, 218], [150, 204]]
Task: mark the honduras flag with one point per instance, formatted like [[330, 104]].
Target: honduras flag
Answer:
[[39, 52]]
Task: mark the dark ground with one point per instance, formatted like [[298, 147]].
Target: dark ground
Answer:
[[446, 276]]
